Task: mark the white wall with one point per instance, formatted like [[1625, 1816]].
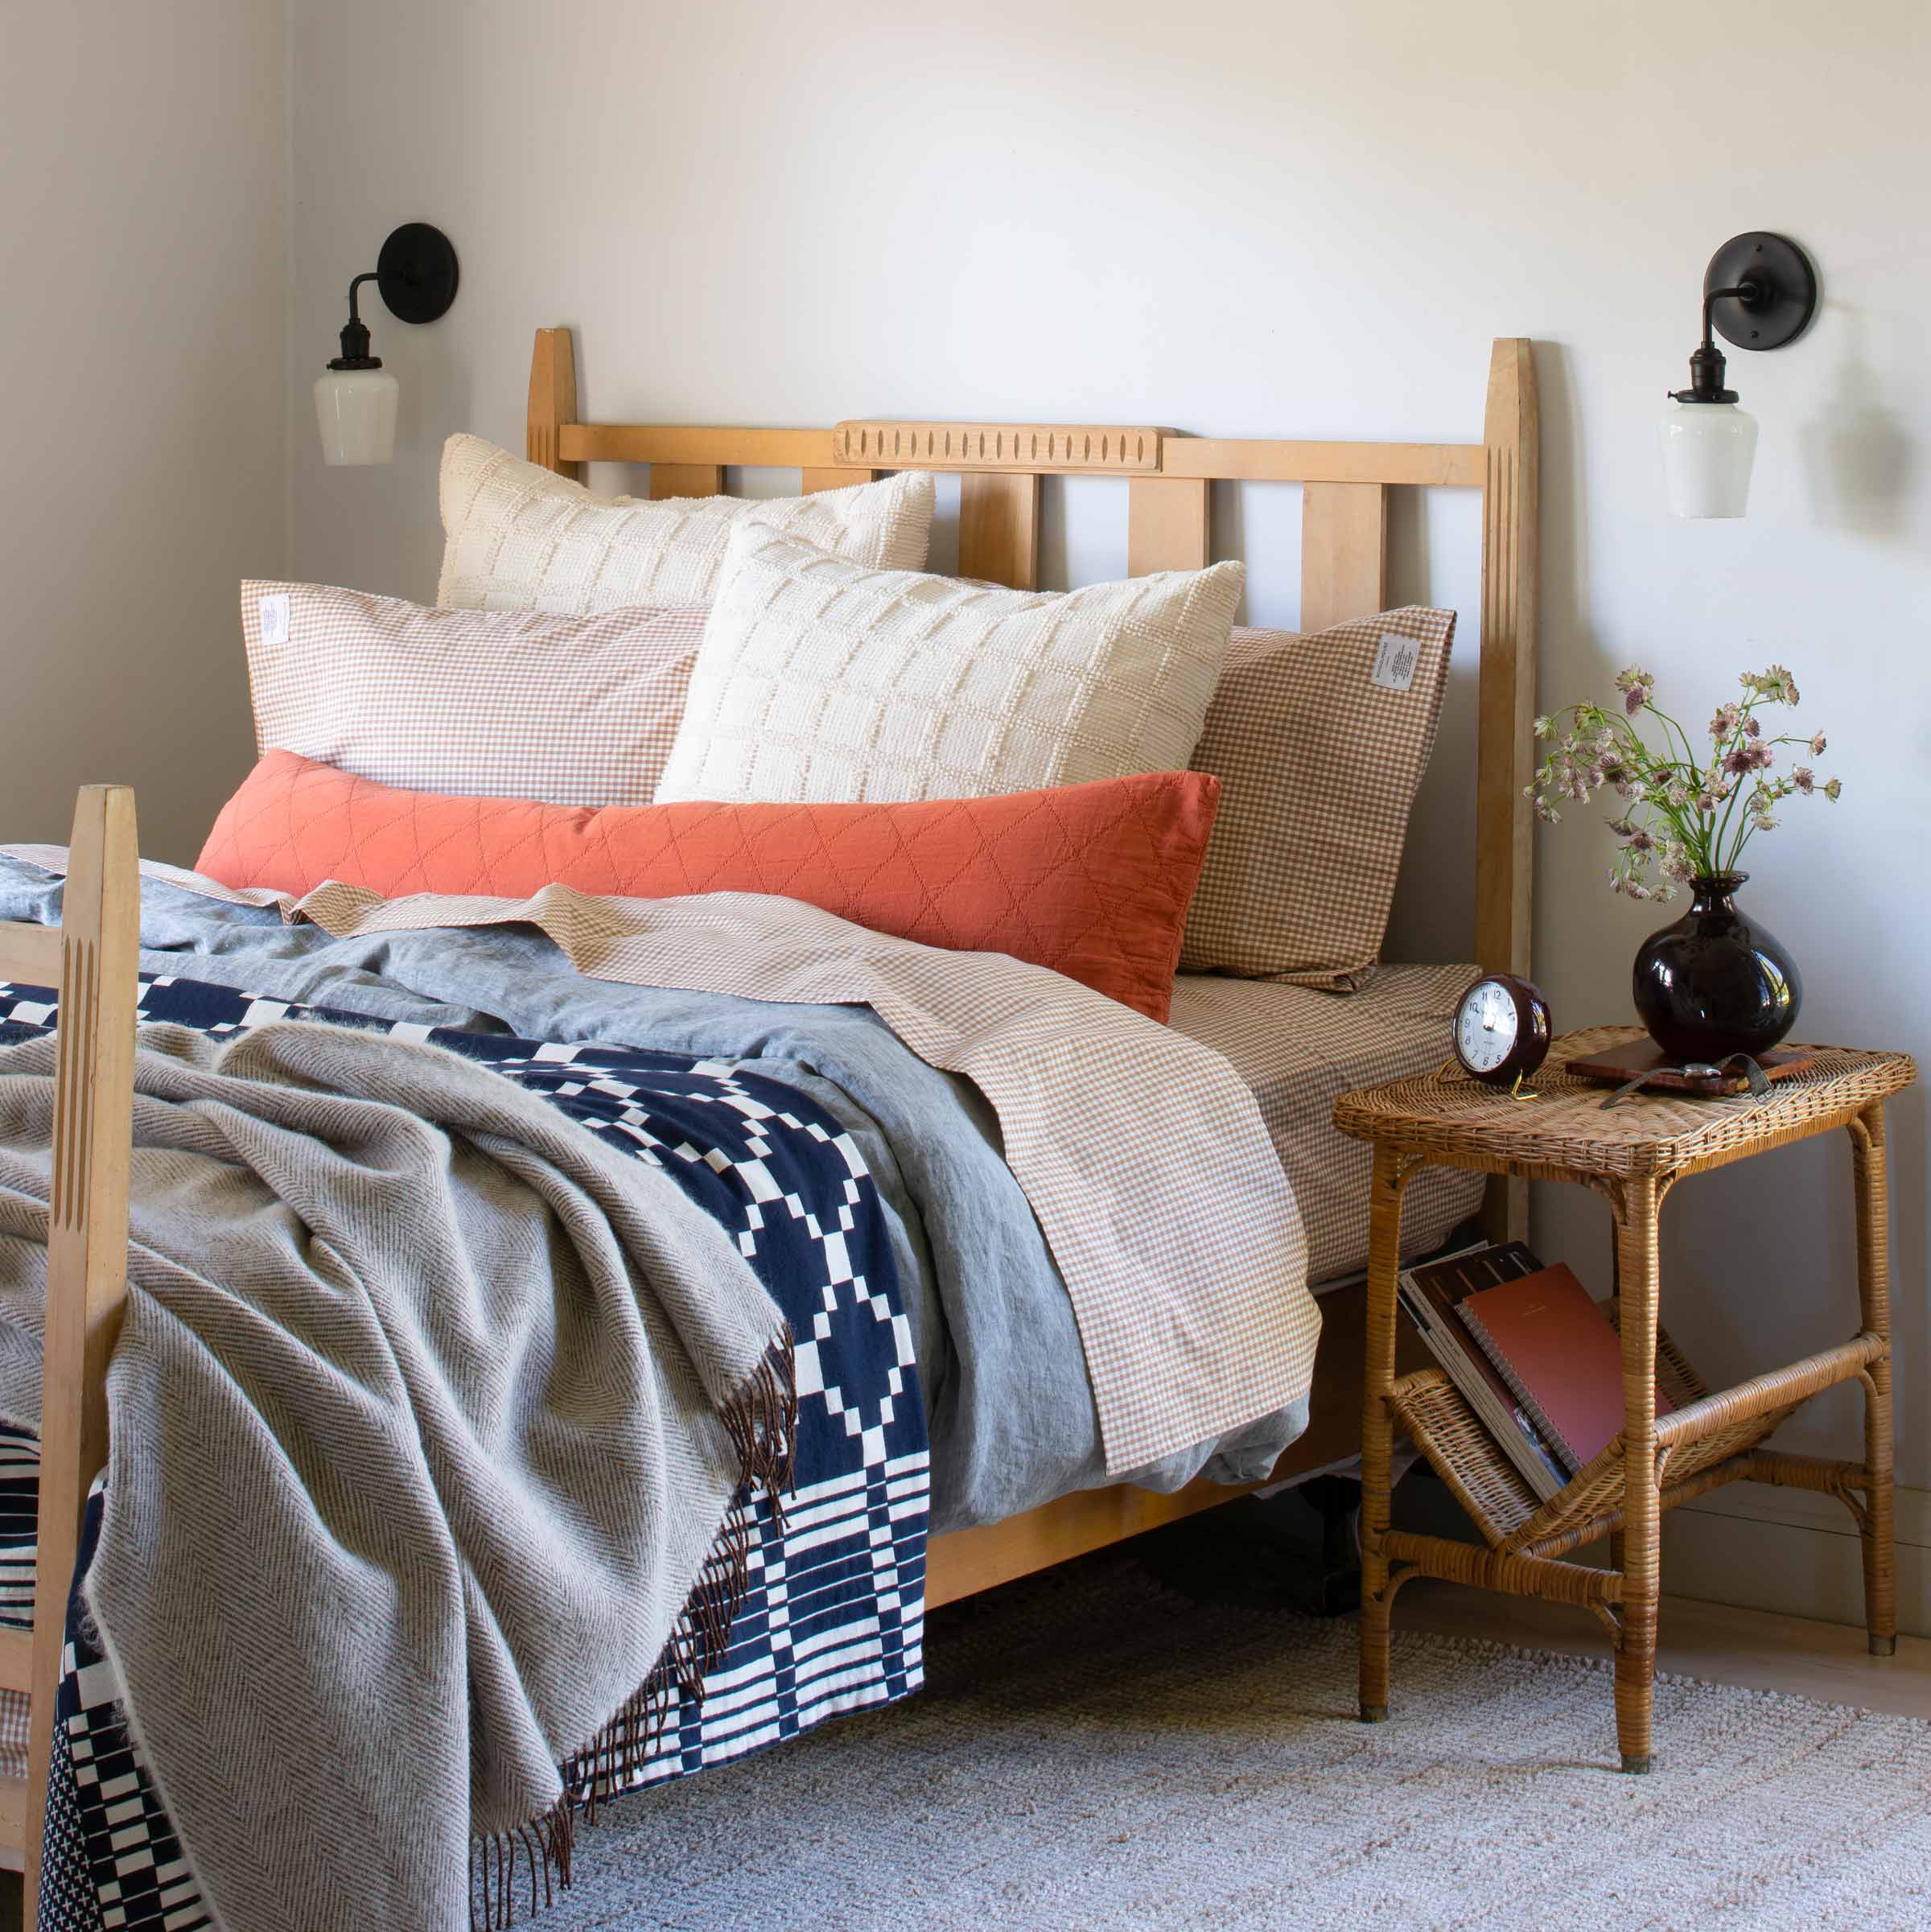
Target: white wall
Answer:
[[1244, 217], [142, 170]]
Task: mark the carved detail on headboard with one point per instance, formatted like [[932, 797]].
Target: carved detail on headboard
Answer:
[[1110, 450]]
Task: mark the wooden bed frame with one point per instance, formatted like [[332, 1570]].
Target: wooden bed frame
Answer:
[[94, 957]]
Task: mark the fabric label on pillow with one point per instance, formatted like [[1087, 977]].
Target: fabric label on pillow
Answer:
[[274, 619], [1395, 662]]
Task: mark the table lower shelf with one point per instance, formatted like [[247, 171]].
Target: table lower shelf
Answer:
[[1705, 1441]]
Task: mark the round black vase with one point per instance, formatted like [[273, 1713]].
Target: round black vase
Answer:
[[1715, 982]]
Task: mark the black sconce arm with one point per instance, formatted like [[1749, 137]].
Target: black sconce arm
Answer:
[[355, 332], [1706, 365]]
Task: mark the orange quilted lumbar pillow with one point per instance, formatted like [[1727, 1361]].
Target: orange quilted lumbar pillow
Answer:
[[1094, 880]]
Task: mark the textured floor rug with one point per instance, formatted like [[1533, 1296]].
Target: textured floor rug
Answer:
[[1097, 1750]]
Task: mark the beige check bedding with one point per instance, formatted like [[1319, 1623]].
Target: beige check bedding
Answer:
[[488, 704], [1297, 1049], [1142, 1152]]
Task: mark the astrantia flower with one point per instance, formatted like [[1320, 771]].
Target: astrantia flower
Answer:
[[1725, 722], [1621, 827], [1637, 686], [1640, 841], [1834, 790], [1707, 801], [1817, 744], [1753, 727], [1676, 795], [1742, 759], [1804, 778], [1545, 728]]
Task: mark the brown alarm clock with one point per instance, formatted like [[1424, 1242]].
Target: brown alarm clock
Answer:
[[1501, 1029]]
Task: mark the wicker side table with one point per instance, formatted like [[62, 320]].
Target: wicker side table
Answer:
[[1632, 1155]]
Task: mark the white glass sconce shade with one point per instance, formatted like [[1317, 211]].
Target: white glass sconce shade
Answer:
[[356, 412], [1708, 449]]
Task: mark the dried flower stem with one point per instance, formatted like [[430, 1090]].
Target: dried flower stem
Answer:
[[1683, 815]]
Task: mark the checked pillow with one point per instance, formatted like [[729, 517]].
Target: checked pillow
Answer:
[[1092, 880]]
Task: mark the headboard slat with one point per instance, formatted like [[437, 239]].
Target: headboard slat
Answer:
[[1343, 552], [686, 480], [1167, 524], [999, 528]]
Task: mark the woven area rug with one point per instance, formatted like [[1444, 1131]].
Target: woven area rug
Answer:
[[1097, 1750]]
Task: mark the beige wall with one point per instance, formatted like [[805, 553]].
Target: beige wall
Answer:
[[1247, 218], [143, 169]]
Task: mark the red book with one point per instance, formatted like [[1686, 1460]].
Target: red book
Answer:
[[1560, 1356]]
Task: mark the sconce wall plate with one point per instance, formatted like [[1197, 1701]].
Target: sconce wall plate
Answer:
[[1783, 286], [416, 273]]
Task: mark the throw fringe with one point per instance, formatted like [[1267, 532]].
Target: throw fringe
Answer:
[[762, 1422]]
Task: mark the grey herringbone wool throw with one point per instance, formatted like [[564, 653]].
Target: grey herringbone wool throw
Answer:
[[428, 1411]]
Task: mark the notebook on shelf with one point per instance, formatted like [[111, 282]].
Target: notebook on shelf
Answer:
[[1560, 1356], [1431, 1293]]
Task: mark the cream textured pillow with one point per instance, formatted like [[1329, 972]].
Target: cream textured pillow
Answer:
[[1319, 745], [517, 537], [491, 704], [819, 680]]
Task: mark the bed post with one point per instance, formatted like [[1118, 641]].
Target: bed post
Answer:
[[1504, 825], [553, 399], [87, 1231]]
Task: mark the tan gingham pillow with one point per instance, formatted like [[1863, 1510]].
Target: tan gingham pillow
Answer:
[[519, 538], [570, 710], [1319, 743], [819, 680]]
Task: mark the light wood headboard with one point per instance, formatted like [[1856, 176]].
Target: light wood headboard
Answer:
[[1168, 475]]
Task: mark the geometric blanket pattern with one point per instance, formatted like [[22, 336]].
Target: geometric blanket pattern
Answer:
[[833, 1617]]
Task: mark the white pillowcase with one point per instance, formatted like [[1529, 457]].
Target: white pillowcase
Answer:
[[819, 680], [517, 537]]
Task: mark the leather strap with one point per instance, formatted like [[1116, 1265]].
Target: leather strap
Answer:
[[1734, 1063]]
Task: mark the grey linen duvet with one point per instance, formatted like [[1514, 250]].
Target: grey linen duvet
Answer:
[[1011, 1409]]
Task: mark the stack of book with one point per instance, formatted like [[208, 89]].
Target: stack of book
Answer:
[[1537, 1360]]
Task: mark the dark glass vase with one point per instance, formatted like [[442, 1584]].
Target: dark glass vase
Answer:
[[1715, 982]]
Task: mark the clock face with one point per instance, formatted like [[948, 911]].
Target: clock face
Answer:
[[1501, 1029], [1486, 1027]]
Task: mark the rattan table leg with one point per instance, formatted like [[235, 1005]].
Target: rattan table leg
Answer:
[[1874, 1295], [1637, 1275], [1390, 1177]]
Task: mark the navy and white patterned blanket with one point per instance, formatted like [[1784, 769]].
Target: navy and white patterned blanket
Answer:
[[834, 1618]]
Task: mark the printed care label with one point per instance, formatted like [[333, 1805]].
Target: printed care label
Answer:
[[1394, 663], [274, 622]]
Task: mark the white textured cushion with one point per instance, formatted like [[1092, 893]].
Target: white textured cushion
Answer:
[[517, 537], [508, 704], [820, 680]]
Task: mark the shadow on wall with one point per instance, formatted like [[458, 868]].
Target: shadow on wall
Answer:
[[1858, 456]]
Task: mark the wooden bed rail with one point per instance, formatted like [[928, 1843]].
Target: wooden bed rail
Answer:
[[1169, 478], [95, 960]]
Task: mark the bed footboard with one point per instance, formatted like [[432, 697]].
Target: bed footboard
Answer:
[[94, 959]]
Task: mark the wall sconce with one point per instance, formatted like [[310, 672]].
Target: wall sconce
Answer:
[[355, 396], [1760, 291]]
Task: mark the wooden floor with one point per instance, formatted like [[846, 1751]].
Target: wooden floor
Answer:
[[1750, 1648]]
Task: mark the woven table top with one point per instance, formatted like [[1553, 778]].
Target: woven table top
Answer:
[[1460, 1121]]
